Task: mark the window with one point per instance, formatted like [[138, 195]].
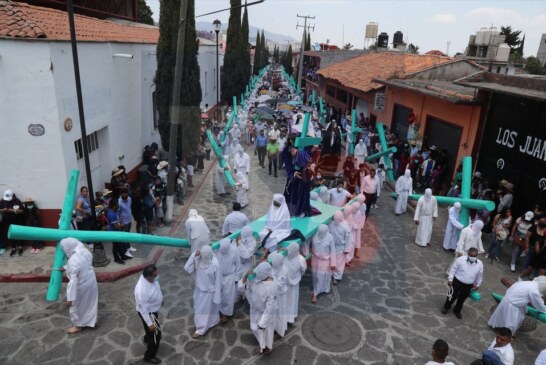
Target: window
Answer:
[[206, 83], [331, 91], [155, 112], [498, 69], [341, 95], [92, 145]]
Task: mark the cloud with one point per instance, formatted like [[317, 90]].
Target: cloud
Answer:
[[502, 16], [444, 19]]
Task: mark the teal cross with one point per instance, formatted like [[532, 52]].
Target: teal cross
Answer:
[[220, 155], [383, 141], [303, 140], [64, 231], [354, 131], [466, 202]]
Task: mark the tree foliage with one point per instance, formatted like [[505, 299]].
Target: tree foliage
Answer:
[[511, 37], [144, 13], [412, 48], [245, 30], [261, 54], [534, 67], [347, 46], [235, 58], [190, 93], [286, 60]]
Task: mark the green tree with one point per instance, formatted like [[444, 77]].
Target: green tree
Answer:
[[190, 93], [287, 61], [534, 67], [308, 42], [144, 13], [257, 52], [233, 72], [245, 30], [347, 46], [511, 37], [412, 48]]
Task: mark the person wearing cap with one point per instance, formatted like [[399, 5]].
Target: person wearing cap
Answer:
[[261, 293], [207, 295], [162, 170], [518, 234], [511, 310], [32, 219], [506, 194], [118, 181], [426, 213], [453, 228], [12, 212]]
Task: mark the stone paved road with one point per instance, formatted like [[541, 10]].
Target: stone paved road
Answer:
[[385, 311]]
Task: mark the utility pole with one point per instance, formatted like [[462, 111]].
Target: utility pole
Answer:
[[303, 40], [175, 109]]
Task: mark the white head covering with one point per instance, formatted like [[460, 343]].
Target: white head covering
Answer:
[[323, 235], [193, 213], [240, 151], [541, 280], [293, 250], [276, 260], [477, 228], [323, 194], [206, 256], [246, 232], [263, 271], [313, 195], [428, 194], [225, 243], [361, 198], [407, 173], [8, 195], [355, 206], [278, 218], [338, 216], [361, 142], [457, 205], [69, 246], [321, 231]]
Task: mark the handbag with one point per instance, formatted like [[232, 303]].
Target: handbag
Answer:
[[502, 234]]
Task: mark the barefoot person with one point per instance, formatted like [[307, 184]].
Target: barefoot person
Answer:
[[82, 293]]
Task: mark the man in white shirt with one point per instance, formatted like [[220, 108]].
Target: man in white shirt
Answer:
[[275, 133], [440, 350], [339, 196], [368, 187], [148, 297], [465, 274], [501, 347], [234, 221]]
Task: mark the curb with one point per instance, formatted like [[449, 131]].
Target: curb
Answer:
[[105, 277]]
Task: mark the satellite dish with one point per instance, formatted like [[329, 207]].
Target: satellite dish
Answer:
[[316, 46]]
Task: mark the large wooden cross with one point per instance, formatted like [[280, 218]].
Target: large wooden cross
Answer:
[[303, 141], [64, 231], [221, 161]]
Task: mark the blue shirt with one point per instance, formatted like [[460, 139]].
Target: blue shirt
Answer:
[[125, 210], [113, 219], [261, 141]]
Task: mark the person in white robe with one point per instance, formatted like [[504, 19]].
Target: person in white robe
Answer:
[[280, 273], [229, 260], [246, 244], [314, 196], [261, 293], [225, 144], [425, 214], [241, 162], [241, 185], [360, 152], [205, 269], [324, 195], [82, 294], [510, 312], [348, 217], [453, 227], [359, 218], [295, 266], [404, 187], [233, 148], [148, 299], [341, 233], [220, 178], [361, 198], [197, 231], [323, 261], [470, 236], [277, 223]]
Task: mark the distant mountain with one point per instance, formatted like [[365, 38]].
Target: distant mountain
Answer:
[[274, 37]]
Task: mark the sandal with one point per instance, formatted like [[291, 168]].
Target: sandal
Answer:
[[196, 335]]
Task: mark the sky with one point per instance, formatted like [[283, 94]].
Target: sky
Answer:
[[430, 24]]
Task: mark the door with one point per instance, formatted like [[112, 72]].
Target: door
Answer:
[[361, 107], [446, 137], [399, 122]]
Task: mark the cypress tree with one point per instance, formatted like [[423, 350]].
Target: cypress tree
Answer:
[[244, 29], [257, 52], [308, 43], [287, 62], [233, 73], [190, 93]]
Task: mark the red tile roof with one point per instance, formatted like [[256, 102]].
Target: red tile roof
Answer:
[[436, 52], [357, 73], [20, 20]]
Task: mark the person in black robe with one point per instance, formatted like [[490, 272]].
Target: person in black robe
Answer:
[[297, 191], [331, 148]]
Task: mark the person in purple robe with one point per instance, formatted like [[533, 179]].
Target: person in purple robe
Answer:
[[297, 191]]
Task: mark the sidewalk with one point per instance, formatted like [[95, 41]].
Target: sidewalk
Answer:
[[37, 267]]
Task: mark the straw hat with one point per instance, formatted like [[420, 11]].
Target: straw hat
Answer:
[[117, 171], [507, 185], [106, 192], [28, 199], [162, 165]]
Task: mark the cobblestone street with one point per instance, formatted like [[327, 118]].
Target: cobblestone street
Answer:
[[386, 310]]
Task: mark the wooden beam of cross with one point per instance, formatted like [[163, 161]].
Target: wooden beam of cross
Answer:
[[303, 141], [313, 96], [322, 112], [354, 131], [235, 109], [378, 155], [383, 141], [221, 161], [228, 126], [466, 202], [64, 231]]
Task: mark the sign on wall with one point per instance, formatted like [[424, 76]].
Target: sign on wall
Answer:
[[36, 130], [379, 102]]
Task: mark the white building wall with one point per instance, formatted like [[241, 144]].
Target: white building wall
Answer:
[[207, 66], [31, 166]]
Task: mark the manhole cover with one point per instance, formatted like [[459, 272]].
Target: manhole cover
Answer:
[[331, 332]]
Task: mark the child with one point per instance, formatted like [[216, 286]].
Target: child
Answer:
[[381, 177]]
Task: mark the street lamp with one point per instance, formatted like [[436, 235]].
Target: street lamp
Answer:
[[217, 25]]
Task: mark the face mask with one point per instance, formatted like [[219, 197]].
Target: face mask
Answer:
[[472, 259], [30, 206], [156, 279]]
